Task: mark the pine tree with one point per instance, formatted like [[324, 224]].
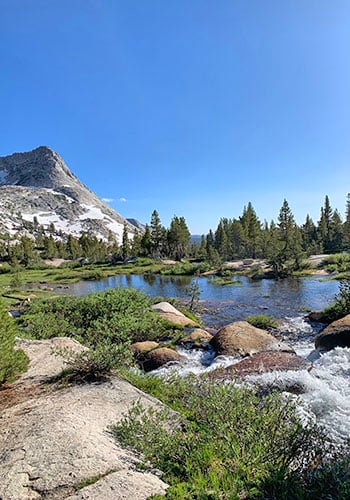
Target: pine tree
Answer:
[[50, 250], [309, 236], [324, 226], [73, 248], [178, 238], [125, 243], [156, 235], [146, 242], [251, 231], [287, 247], [136, 244], [346, 226], [336, 233]]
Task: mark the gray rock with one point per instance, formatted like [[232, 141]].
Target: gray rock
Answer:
[[173, 315], [54, 439], [38, 183]]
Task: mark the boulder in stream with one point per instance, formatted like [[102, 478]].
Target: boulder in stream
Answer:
[[156, 358], [242, 339], [261, 363], [336, 334], [197, 338], [140, 348]]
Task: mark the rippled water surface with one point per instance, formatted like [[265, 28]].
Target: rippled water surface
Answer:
[[279, 298]]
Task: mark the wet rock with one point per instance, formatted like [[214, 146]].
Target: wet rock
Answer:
[[198, 338], [316, 316], [337, 334], [291, 386], [242, 339], [173, 315], [262, 363], [160, 357]]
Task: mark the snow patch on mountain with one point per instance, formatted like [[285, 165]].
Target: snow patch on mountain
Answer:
[[39, 184]]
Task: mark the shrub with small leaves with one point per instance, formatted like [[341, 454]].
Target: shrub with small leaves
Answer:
[[12, 361]]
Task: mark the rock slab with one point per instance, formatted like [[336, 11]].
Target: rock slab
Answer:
[[52, 440]]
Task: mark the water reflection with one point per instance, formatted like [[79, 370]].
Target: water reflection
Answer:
[[282, 298]]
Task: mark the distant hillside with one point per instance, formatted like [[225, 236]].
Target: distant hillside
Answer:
[[38, 184]]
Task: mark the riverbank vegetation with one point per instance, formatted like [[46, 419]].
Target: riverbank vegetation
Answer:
[[228, 442], [341, 305], [12, 361]]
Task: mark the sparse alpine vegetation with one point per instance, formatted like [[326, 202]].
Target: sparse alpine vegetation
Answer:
[[230, 443]]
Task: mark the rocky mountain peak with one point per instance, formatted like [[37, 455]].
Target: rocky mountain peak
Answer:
[[39, 184]]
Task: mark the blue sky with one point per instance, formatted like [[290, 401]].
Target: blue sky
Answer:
[[192, 107]]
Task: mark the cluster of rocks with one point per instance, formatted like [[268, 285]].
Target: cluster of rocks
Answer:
[[256, 351]]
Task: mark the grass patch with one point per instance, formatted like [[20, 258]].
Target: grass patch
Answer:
[[91, 480], [262, 321], [226, 282]]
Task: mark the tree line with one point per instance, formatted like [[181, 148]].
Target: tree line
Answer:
[[282, 242]]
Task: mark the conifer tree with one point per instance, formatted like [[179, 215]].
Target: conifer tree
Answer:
[[146, 242], [251, 231], [156, 235], [178, 238], [309, 236], [125, 243], [346, 227]]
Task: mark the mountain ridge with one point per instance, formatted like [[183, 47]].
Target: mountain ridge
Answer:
[[39, 184]]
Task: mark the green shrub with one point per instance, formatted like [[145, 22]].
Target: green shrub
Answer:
[[94, 364], [12, 361], [341, 305], [337, 263], [5, 268], [185, 269], [228, 443], [121, 316], [262, 321]]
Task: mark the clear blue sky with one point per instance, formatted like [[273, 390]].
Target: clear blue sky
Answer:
[[192, 107]]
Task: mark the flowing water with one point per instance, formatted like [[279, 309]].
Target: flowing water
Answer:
[[325, 396]]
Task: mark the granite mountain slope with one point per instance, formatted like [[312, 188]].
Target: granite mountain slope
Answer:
[[39, 184]]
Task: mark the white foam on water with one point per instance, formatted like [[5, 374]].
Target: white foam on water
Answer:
[[325, 397]]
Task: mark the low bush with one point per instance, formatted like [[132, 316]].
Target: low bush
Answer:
[[185, 269], [337, 263], [96, 364], [341, 305], [5, 268], [119, 316], [12, 361], [262, 321], [229, 443]]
